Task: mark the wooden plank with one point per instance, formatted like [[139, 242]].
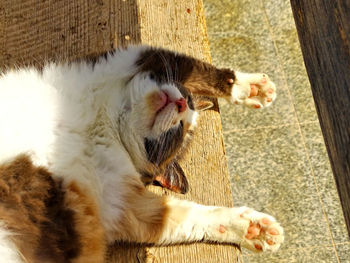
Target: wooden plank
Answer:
[[33, 31], [180, 26], [324, 34]]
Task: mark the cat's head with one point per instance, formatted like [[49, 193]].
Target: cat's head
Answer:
[[158, 117], [158, 113]]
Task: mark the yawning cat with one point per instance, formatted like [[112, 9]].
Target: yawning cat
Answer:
[[79, 141]]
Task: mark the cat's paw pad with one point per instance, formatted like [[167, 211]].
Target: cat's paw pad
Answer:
[[253, 90], [263, 232]]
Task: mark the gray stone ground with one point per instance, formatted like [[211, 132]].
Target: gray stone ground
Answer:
[[277, 158]]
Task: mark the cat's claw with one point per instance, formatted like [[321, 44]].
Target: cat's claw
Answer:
[[254, 90], [263, 233]]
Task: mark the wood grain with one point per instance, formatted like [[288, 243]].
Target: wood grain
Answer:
[[324, 34], [33, 31]]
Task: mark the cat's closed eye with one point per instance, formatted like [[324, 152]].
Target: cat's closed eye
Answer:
[[152, 76]]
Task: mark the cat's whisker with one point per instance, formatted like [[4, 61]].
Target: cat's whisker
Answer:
[[167, 67]]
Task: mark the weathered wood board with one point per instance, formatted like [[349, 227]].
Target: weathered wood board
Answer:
[[324, 34], [32, 31]]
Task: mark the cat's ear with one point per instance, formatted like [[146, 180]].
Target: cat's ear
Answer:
[[202, 103], [173, 179]]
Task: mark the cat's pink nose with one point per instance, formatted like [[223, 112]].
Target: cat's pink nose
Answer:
[[181, 104]]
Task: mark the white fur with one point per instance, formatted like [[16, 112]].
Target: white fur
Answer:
[[8, 250], [24, 98]]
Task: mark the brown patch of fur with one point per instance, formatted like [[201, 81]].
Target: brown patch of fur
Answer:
[[50, 223], [87, 224], [32, 207], [143, 217], [146, 216], [211, 82], [198, 77]]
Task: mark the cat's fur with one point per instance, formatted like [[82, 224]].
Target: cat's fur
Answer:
[[79, 140]]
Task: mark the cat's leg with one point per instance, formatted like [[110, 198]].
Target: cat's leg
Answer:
[[188, 221], [254, 90], [165, 220]]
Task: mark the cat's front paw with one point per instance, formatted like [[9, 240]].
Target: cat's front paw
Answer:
[[254, 90], [263, 233]]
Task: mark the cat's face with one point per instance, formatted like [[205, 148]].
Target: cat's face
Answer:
[[159, 115]]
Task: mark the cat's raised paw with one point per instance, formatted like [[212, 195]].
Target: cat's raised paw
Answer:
[[263, 233], [254, 90]]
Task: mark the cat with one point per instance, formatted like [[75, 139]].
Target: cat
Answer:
[[79, 140]]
